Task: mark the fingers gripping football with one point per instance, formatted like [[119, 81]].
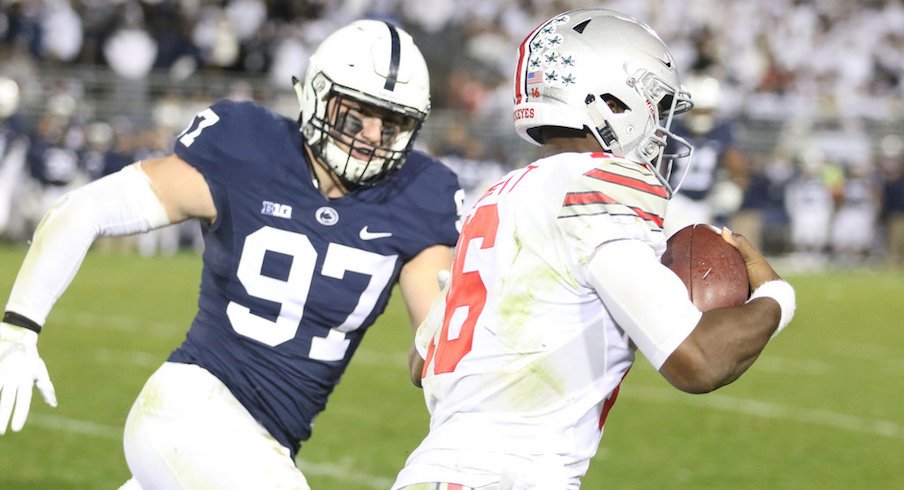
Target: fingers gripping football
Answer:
[[759, 271]]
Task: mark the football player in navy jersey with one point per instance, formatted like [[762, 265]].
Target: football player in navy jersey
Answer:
[[307, 225], [711, 188]]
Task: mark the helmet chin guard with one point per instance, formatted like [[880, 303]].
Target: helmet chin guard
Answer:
[[575, 67], [370, 64]]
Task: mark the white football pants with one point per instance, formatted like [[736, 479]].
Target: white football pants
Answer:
[[187, 431]]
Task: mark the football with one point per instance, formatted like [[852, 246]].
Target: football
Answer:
[[712, 270]]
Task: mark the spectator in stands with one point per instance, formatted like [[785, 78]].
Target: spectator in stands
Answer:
[[13, 150], [130, 50], [854, 225], [62, 31], [810, 199], [892, 162], [54, 166]]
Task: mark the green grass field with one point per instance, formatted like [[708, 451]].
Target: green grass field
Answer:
[[820, 409]]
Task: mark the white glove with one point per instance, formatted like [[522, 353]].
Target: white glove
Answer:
[[21, 368]]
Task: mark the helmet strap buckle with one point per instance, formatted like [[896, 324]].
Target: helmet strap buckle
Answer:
[[600, 125]]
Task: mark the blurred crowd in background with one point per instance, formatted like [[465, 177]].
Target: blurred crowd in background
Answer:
[[805, 97]]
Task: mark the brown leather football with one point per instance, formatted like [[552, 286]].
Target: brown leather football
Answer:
[[712, 270]]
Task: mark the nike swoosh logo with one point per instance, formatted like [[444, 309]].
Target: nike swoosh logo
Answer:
[[666, 62], [373, 235]]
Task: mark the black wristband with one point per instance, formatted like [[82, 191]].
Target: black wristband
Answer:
[[20, 321]]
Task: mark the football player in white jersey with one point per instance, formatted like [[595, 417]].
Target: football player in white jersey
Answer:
[[557, 281]]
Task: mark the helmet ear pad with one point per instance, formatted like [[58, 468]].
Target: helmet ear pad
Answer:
[[375, 64]]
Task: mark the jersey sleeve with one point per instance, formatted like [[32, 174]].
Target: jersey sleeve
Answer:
[[645, 298], [224, 140], [616, 200], [438, 200], [235, 145]]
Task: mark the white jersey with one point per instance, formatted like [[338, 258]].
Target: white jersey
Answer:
[[527, 361]]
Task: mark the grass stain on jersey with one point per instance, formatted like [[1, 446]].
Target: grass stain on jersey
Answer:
[[533, 384]]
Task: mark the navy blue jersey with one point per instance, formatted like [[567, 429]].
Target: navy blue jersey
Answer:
[[709, 149], [291, 279], [53, 163]]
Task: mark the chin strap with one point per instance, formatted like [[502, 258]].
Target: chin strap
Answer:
[[603, 131]]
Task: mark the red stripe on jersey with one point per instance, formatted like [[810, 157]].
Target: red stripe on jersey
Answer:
[[603, 154], [583, 198], [455, 486], [640, 185], [647, 216], [607, 405], [578, 198]]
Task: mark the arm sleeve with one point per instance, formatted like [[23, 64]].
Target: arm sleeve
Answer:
[[438, 198], [121, 203], [647, 300]]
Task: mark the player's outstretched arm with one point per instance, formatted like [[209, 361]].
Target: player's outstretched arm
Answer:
[[137, 199], [420, 287], [726, 341]]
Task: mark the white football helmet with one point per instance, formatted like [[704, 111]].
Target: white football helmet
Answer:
[[707, 99], [370, 63], [576, 63]]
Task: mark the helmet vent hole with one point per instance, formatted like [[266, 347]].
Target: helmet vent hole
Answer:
[[615, 104], [580, 27], [665, 104]]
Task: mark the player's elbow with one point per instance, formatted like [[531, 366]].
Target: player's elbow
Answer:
[[694, 382], [691, 371], [416, 379]]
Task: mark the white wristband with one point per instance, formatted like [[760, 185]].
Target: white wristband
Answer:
[[783, 294]]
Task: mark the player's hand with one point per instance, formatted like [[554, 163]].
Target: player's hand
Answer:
[[21, 369], [758, 269]]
